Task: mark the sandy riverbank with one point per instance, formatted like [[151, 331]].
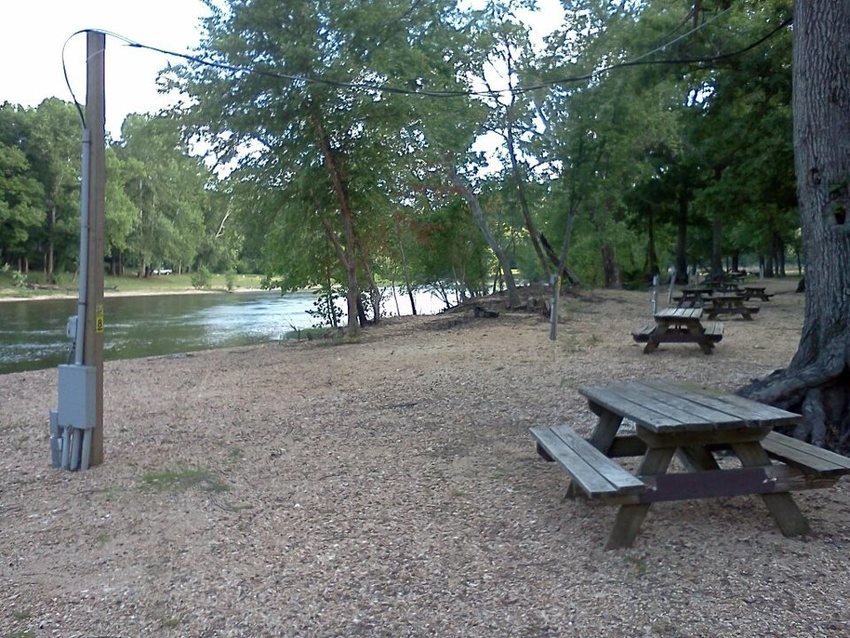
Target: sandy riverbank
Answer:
[[390, 488]]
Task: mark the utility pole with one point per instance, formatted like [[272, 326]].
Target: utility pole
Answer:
[[76, 425], [95, 123]]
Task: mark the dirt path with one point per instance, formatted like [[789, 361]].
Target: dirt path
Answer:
[[390, 488]]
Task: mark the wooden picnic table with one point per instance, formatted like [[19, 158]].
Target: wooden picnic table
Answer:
[[691, 298], [729, 303], [693, 424], [755, 291], [679, 325]]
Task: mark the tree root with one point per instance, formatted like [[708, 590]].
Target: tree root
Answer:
[[819, 391]]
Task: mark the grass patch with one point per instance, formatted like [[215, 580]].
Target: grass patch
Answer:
[[299, 334], [639, 565], [22, 614], [67, 284], [182, 480], [170, 623]]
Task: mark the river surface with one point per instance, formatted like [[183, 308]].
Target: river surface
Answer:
[[32, 333]]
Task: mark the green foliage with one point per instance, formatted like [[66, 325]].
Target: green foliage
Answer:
[[326, 309], [201, 278], [323, 176], [19, 279]]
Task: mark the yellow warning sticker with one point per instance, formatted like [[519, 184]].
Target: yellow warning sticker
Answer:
[[98, 318]]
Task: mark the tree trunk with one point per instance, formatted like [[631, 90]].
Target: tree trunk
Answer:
[[519, 179], [682, 241], [651, 254], [348, 259], [484, 227], [817, 382], [51, 231], [404, 267], [716, 245], [609, 267]]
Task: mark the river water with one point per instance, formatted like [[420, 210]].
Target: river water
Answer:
[[32, 333]]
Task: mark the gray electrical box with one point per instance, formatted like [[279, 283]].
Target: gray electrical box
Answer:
[[76, 396], [71, 327]]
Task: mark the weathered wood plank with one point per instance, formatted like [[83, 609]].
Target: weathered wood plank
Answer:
[[748, 412], [605, 398], [725, 483], [680, 408], [806, 456], [595, 473]]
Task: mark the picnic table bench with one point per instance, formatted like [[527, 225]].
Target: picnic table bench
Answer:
[[729, 303], [679, 325], [693, 424]]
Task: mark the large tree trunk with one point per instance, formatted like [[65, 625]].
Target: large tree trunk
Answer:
[[817, 381]]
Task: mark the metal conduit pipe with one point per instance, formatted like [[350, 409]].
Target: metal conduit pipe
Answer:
[[84, 249], [83, 437]]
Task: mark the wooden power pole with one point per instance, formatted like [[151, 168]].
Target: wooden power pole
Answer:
[[95, 123]]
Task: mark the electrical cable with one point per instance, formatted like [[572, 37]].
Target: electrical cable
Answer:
[[369, 86], [68, 81]]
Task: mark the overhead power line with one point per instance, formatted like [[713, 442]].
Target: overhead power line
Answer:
[[640, 60]]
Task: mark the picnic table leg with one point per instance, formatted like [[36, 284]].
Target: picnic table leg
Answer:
[[629, 517], [697, 458], [705, 344], [605, 430], [782, 507]]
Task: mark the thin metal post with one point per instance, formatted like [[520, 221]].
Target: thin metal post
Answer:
[[555, 282]]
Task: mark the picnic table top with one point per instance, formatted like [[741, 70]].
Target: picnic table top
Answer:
[[681, 314], [667, 407]]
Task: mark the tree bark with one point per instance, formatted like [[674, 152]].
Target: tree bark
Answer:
[[484, 227], [682, 241], [519, 179], [716, 245], [348, 257], [817, 381], [610, 268]]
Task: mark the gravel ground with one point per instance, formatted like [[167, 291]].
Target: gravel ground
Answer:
[[390, 488]]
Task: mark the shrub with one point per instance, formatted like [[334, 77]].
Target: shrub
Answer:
[[201, 278]]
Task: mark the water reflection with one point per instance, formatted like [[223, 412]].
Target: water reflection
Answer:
[[32, 333]]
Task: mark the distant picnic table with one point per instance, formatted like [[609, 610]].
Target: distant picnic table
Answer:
[[679, 325], [729, 303], [673, 419]]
